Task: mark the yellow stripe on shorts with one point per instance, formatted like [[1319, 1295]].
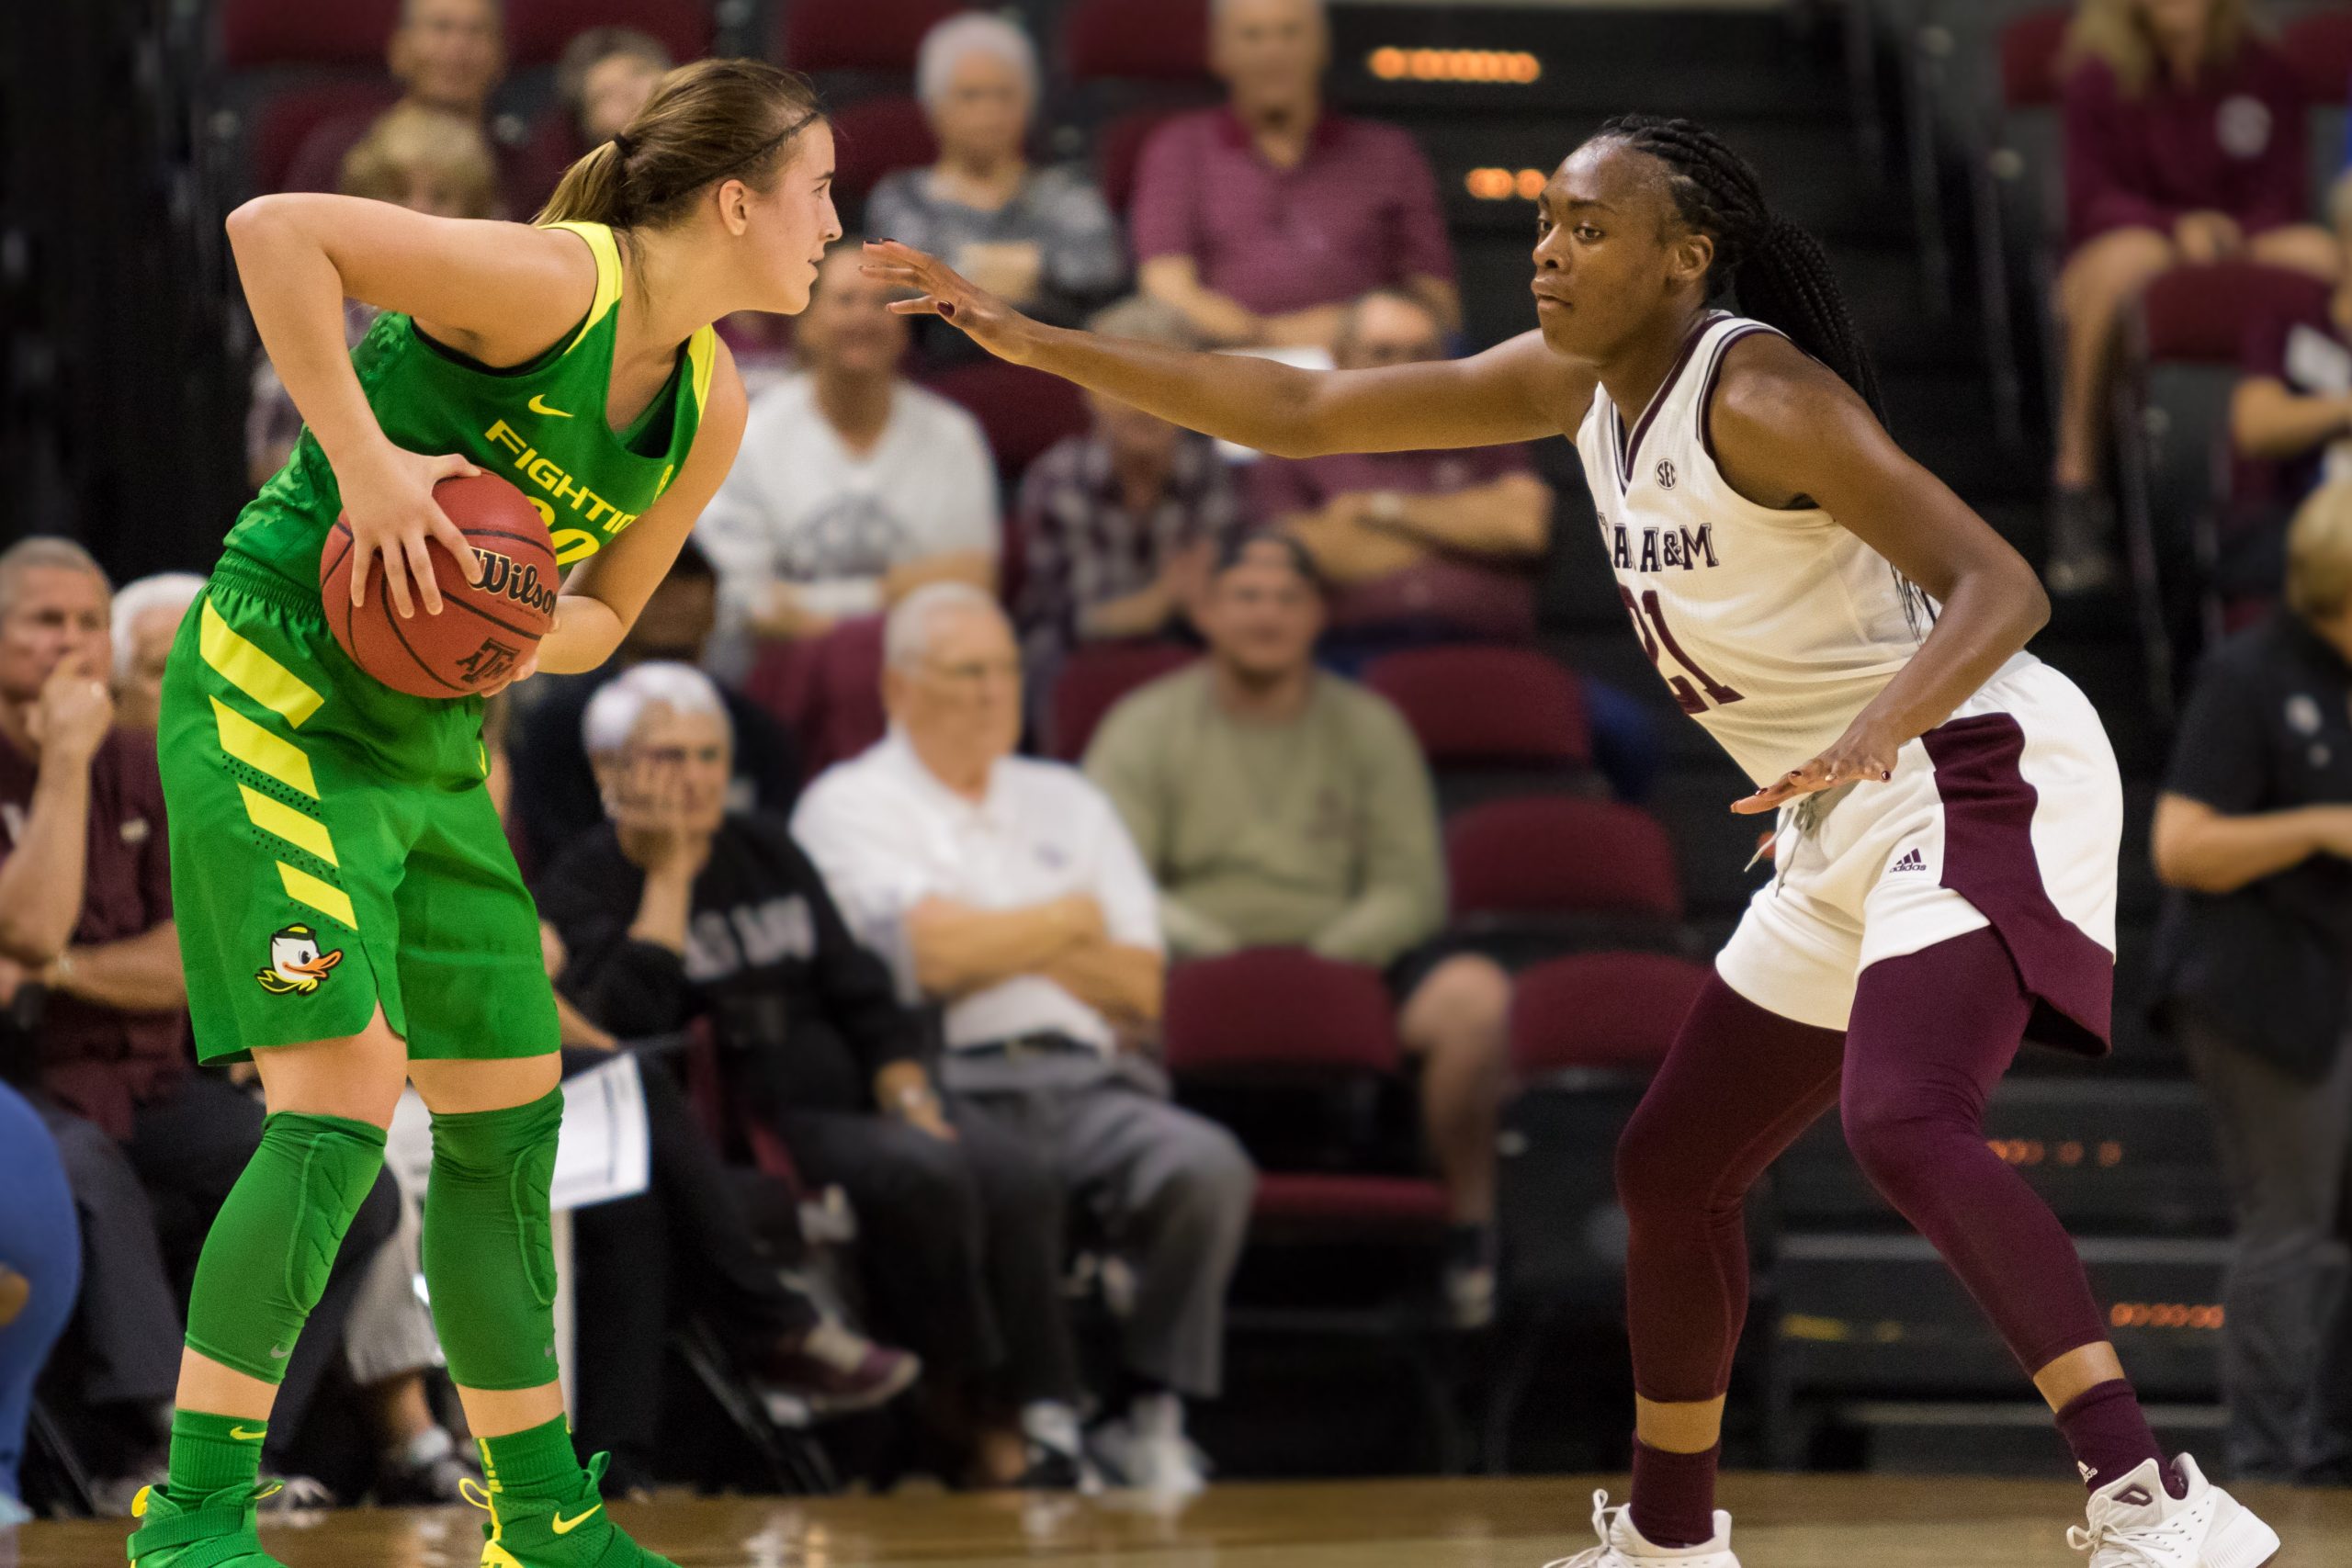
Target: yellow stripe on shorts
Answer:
[[274, 815], [253, 672], [324, 897], [262, 751]]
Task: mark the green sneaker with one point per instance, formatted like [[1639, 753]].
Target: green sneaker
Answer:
[[216, 1533], [556, 1532]]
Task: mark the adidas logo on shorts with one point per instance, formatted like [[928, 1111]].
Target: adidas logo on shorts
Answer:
[[1913, 861]]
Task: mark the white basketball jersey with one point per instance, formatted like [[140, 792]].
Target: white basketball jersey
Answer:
[[1772, 628]]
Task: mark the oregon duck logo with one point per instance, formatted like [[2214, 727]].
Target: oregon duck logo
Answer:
[[296, 965]]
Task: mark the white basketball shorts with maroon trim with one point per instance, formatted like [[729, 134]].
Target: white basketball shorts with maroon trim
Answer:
[[2008, 815]]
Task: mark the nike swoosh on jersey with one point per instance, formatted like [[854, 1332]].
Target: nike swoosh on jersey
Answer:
[[539, 405], [278, 1354], [562, 1525], [241, 1435]]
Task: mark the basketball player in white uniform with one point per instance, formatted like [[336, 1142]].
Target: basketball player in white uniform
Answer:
[[1948, 812]]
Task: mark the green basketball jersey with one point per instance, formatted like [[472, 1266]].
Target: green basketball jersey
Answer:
[[541, 426]]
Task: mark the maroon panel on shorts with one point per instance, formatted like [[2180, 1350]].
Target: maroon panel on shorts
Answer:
[[1989, 861]]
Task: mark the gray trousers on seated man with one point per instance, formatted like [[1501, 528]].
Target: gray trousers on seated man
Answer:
[[1171, 1190], [2286, 1341]]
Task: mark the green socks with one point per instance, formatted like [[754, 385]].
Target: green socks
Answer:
[[489, 1253], [265, 1261], [209, 1452], [534, 1462]]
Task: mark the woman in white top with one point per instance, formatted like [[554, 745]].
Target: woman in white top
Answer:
[[1853, 634]]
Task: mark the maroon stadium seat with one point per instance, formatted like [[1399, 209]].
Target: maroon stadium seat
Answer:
[[2031, 47], [1555, 854], [1093, 679], [538, 30], [875, 136], [2201, 315], [1153, 40], [1022, 411], [1608, 1010], [859, 35], [1288, 1015], [828, 690], [2321, 47], [1483, 705], [259, 33], [280, 125], [1278, 1010]]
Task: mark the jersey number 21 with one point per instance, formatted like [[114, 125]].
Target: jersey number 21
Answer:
[[1649, 619]]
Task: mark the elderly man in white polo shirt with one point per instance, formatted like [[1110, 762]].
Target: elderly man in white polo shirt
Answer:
[[1008, 890]]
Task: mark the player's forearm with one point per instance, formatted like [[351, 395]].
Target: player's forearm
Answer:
[[1987, 619], [296, 296], [140, 973], [586, 632], [1258, 403], [42, 880]]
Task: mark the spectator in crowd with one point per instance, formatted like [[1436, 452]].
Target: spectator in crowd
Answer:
[[1260, 221], [1007, 890], [556, 797], [150, 1145], [1039, 238], [1279, 806], [681, 909], [2185, 142], [420, 158], [447, 55], [853, 487], [40, 1269], [2253, 832], [147, 616], [1418, 547], [604, 77], [1118, 526], [2290, 420]]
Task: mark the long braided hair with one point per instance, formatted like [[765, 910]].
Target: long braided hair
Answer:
[[1779, 273]]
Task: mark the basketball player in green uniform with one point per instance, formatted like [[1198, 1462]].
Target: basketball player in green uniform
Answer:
[[350, 916]]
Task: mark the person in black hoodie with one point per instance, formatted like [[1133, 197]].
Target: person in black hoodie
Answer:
[[2253, 833], [678, 908]]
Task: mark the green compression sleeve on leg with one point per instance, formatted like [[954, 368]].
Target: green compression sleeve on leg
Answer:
[[266, 1259], [488, 1252]]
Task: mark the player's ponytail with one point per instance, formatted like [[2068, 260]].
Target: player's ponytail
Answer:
[[712, 119], [1779, 274]]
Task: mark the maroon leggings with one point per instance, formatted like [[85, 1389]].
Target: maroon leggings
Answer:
[[1931, 1034]]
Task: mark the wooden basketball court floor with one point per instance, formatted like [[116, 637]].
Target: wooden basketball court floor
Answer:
[[1783, 1522]]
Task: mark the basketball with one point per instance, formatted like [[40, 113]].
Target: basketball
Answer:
[[481, 632]]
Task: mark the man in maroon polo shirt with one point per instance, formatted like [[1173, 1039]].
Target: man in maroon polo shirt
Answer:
[[1419, 546], [1260, 221], [150, 1145]]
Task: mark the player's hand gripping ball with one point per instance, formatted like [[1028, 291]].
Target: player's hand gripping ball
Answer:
[[483, 633]]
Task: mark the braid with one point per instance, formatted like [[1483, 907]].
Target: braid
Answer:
[[1780, 273]]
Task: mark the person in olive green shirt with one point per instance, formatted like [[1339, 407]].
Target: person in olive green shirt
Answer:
[[1278, 805]]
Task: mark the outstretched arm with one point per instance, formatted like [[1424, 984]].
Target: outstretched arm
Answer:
[[500, 292], [1787, 431], [1519, 391]]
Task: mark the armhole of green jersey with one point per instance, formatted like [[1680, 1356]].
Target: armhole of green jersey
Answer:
[[598, 237], [702, 358]]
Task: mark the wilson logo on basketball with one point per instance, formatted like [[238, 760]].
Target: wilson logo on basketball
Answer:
[[501, 576]]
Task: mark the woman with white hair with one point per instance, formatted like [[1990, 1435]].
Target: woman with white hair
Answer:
[[147, 616], [678, 909], [1042, 238]]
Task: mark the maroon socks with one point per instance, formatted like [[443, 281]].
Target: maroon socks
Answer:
[[1674, 1496], [2110, 1434]]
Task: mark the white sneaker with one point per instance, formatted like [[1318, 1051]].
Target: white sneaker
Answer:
[[1622, 1546], [2135, 1523], [1163, 1464]]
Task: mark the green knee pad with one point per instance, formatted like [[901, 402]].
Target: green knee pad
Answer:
[[488, 1254], [266, 1259]]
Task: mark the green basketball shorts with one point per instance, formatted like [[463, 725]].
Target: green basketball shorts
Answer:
[[333, 844]]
